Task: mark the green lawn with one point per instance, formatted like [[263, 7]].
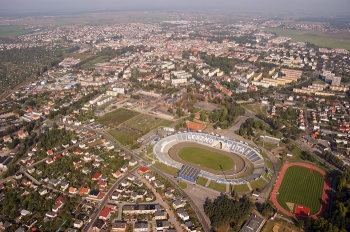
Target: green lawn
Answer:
[[301, 187], [124, 137], [260, 183], [322, 39], [242, 188], [202, 181], [217, 186], [183, 185], [145, 122], [167, 169], [209, 159], [117, 117]]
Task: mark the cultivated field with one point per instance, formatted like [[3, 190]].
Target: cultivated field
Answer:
[[206, 158], [322, 39], [13, 31], [117, 117], [300, 186]]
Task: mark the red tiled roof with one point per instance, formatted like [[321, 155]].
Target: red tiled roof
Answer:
[[144, 169]]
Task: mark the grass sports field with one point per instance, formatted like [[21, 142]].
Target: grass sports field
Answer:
[[300, 186], [117, 117], [321, 39], [209, 159]]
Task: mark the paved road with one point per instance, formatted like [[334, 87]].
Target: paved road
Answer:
[[106, 198], [159, 200]]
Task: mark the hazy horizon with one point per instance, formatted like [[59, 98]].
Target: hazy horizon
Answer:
[[329, 7]]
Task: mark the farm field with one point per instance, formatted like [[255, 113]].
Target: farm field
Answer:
[[144, 122], [217, 186], [13, 31], [117, 117], [321, 39], [300, 186], [209, 159]]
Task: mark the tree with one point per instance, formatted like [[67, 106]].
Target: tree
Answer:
[[179, 112]]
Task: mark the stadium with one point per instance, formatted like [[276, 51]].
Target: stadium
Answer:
[[247, 164]]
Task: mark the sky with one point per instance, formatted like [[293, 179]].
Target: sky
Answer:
[[334, 7]]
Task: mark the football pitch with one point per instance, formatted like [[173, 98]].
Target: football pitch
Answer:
[[301, 186], [206, 158]]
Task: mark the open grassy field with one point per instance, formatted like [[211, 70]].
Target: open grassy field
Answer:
[[144, 122], [217, 186], [202, 181], [124, 137], [91, 63], [299, 186], [117, 117], [321, 39], [260, 183], [13, 31], [209, 159], [183, 185], [242, 188], [167, 169]]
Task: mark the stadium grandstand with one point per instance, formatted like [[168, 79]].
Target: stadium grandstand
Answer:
[[162, 147]]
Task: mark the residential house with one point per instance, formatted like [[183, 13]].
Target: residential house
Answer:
[[117, 174], [78, 223], [183, 214], [98, 225], [141, 227], [72, 190], [22, 134], [162, 225], [84, 190], [132, 163], [160, 215], [105, 213], [158, 184], [119, 226], [178, 204], [150, 177]]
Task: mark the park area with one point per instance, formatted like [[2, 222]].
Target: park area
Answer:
[[206, 158], [303, 185], [117, 117], [321, 39]]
